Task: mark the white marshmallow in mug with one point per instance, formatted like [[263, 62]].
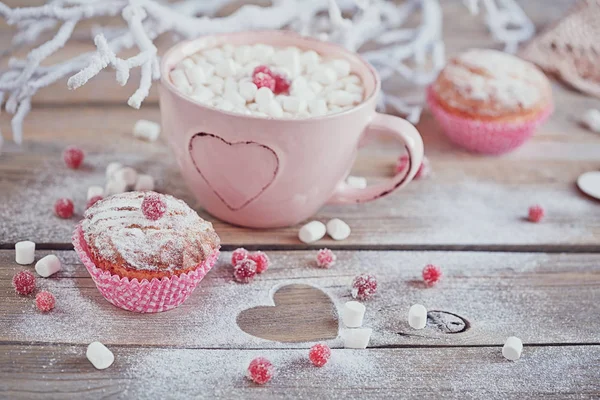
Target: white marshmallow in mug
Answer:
[[294, 104], [248, 90], [196, 75], [180, 80], [317, 107], [48, 266], [311, 232], [24, 252]]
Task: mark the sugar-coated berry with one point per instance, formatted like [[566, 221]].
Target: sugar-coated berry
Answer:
[[364, 287], [73, 157], [93, 201], [319, 354], [282, 84], [153, 206], [262, 261], [260, 370], [536, 213], [238, 255], [45, 301], [431, 274], [325, 258], [264, 80], [24, 282], [64, 208], [423, 171], [244, 271], [262, 68]]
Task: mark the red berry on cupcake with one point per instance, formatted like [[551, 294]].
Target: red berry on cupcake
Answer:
[[153, 206]]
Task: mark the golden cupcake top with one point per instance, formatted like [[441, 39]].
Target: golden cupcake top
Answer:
[[118, 231], [492, 84]]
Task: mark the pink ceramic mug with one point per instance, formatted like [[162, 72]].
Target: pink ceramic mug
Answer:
[[263, 172]]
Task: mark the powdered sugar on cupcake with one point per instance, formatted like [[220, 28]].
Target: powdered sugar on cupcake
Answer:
[[502, 81], [116, 230]]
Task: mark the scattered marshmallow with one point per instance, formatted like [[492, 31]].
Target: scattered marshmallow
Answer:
[[357, 338], [146, 130], [48, 265], [591, 119], [112, 168], [417, 316], [338, 229], [99, 355], [357, 182], [311, 232], [126, 174], [115, 186], [512, 348], [94, 191], [353, 314], [144, 182], [24, 252]]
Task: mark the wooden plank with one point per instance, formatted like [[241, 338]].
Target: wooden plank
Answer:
[[483, 299], [62, 372], [470, 201]]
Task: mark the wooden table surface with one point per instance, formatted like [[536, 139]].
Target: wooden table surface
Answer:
[[503, 276]]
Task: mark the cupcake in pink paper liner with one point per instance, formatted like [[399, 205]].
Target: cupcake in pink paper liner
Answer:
[[490, 102], [146, 252]]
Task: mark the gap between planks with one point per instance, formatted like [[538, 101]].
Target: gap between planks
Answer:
[[528, 248], [390, 346]]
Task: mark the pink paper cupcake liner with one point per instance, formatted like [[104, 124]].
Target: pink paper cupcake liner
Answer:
[[146, 296], [485, 137]]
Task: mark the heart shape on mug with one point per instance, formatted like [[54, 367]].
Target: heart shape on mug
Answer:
[[237, 172], [301, 313]]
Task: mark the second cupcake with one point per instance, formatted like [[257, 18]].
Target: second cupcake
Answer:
[[146, 251], [489, 101]]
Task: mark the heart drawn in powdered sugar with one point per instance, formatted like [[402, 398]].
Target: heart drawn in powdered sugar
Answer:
[[238, 172], [301, 313]]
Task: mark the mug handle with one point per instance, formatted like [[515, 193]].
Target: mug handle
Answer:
[[406, 133]]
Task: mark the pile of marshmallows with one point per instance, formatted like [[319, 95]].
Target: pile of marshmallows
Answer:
[[266, 81]]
